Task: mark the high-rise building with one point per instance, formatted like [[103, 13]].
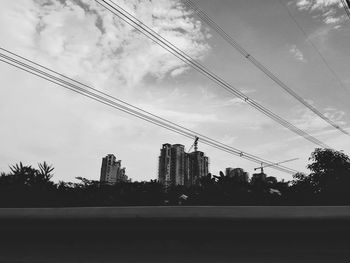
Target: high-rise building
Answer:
[[178, 163], [122, 175], [164, 165], [176, 167], [198, 166], [111, 170], [171, 170]]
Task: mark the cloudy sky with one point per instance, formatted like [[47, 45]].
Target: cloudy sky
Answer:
[[44, 122]]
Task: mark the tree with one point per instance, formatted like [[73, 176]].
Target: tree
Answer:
[[27, 186], [329, 179], [27, 175], [45, 172], [20, 175], [330, 170]]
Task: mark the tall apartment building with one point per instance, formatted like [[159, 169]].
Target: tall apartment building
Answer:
[[111, 170], [198, 166], [176, 167], [171, 170]]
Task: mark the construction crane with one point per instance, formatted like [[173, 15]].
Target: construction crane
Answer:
[[262, 166], [195, 145]]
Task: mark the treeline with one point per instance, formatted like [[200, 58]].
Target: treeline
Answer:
[[327, 184]]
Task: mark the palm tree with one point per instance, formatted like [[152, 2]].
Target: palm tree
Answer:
[[45, 171]]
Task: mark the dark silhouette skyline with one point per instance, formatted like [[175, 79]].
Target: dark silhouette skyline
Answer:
[[326, 184]]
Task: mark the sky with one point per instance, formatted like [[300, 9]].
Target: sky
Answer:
[[44, 122]]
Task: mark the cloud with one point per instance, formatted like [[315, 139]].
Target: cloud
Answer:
[[187, 118], [317, 4], [98, 46], [330, 11], [228, 139], [82, 40], [310, 122], [296, 53]]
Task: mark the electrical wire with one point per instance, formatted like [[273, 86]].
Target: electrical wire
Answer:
[[145, 30], [118, 100], [206, 18], [241, 154], [325, 62], [346, 6], [78, 87]]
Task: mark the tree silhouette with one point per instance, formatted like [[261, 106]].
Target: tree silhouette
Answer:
[[327, 184], [27, 186], [329, 180], [45, 172]]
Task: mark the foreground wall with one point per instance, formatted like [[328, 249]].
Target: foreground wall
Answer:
[[176, 234]]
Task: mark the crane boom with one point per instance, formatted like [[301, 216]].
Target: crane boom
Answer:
[[273, 164], [195, 145]]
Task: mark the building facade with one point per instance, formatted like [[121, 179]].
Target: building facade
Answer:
[[198, 166], [172, 165], [111, 170], [176, 167]]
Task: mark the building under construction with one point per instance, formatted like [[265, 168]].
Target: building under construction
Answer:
[[177, 167]]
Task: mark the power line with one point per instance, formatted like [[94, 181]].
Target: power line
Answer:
[[330, 69], [206, 18], [81, 91], [78, 87], [116, 99], [346, 5], [145, 30]]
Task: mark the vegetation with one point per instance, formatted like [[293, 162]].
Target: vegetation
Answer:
[[327, 184], [329, 180]]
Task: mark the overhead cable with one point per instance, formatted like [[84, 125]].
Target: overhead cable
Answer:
[[325, 62], [206, 18], [57, 78], [145, 30], [346, 6]]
